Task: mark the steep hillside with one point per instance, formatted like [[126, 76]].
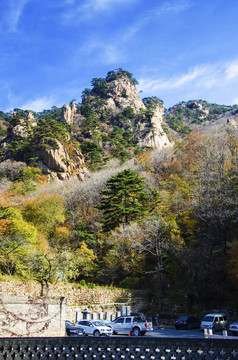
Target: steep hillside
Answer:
[[45, 144], [165, 221], [111, 122], [199, 115], [113, 117]]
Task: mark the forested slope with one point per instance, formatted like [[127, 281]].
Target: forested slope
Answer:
[[87, 199]]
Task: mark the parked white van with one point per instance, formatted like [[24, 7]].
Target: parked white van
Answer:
[[216, 322]]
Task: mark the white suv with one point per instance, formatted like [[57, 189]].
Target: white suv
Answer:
[[132, 325], [94, 328]]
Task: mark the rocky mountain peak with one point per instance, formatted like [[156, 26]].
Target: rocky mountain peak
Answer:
[[68, 112], [121, 94], [117, 95]]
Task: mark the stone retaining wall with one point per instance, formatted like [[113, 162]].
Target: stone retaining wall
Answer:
[[74, 295], [27, 316]]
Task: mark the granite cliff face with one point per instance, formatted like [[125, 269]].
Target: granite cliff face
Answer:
[[112, 121], [68, 112], [58, 165], [121, 94], [53, 157], [121, 105]]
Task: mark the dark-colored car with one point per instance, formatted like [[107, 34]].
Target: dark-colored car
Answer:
[[187, 322], [73, 330]]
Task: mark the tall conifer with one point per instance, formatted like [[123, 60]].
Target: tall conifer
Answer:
[[123, 200]]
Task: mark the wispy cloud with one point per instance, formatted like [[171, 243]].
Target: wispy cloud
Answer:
[[12, 14], [173, 7], [231, 71], [168, 8], [38, 104], [214, 81], [89, 8], [98, 5], [107, 51]]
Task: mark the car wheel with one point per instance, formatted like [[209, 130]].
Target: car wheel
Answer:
[[114, 332], [136, 331], [96, 333]]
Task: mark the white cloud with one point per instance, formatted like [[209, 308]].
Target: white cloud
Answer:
[[173, 7], [176, 81], [98, 5], [232, 70], [89, 8], [212, 82], [39, 104]]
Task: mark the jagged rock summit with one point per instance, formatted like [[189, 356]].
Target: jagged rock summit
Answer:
[[115, 101], [112, 121]]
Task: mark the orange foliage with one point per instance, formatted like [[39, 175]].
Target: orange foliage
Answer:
[[169, 167], [9, 198], [145, 160], [3, 226], [41, 179], [191, 152]]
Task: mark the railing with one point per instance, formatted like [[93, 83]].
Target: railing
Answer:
[[123, 348]]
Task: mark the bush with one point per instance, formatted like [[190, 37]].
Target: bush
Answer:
[[129, 283]]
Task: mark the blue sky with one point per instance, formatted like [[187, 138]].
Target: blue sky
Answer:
[[178, 50]]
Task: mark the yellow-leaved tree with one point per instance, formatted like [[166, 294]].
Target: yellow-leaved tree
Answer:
[[18, 238]]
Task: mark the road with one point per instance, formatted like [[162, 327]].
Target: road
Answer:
[[194, 333], [171, 332]]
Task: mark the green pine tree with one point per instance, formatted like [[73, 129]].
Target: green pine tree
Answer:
[[123, 200]]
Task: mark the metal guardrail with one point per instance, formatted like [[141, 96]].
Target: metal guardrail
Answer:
[[115, 348]]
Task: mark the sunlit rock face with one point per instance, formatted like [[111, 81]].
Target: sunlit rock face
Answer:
[[121, 94]]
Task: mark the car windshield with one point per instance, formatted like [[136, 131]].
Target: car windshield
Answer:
[[69, 323], [97, 323], [183, 318], [208, 318]]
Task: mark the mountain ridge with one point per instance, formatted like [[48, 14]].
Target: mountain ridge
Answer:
[[111, 122]]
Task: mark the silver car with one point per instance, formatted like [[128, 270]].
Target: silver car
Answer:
[[234, 328], [95, 328]]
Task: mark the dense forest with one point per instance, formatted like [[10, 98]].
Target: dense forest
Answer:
[[164, 221]]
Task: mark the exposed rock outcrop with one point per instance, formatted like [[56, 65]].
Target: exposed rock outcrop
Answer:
[[58, 161], [232, 123], [57, 164], [68, 112], [156, 138], [122, 94]]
